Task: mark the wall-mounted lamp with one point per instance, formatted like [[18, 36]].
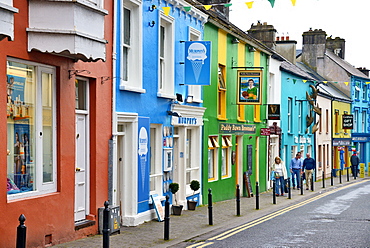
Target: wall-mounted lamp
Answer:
[[151, 24], [173, 113], [179, 97], [252, 49], [189, 99], [235, 41], [152, 8]]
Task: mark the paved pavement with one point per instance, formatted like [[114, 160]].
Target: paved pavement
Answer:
[[194, 223]]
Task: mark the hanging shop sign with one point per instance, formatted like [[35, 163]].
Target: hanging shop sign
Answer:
[[347, 121], [198, 62], [249, 87], [273, 112]]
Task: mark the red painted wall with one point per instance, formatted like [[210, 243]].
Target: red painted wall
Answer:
[[54, 213]]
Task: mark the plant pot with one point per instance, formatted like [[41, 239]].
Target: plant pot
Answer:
[[192, 205], [177, 209]]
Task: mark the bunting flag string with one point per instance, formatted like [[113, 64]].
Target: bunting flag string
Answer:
[[295, 80]]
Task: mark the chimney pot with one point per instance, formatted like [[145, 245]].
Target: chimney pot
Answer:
[[277, 38]]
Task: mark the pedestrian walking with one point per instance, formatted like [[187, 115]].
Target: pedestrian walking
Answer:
[[279, 172], [355, 161], [296, 170], [309, 164]]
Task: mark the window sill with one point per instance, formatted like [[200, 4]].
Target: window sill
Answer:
[[164, 95], [222, 118], [133, 89]]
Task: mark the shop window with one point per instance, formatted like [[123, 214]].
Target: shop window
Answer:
[[221, 92], [192, 167], [212, 158], [226, 156], [31, 136], [155, 176]]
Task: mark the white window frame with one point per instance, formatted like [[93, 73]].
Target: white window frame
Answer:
[[134, 80], [48, 187], [364, 92], [355, 122], [290, 100], [300, 117], [213, 146], [195, 90], [166, 85], [156, 158], [226, 156]]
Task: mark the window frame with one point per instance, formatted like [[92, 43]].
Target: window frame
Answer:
[[166, 85], [222, 90], [134, 81], [226, 156], [156, 159], [41, 187], [213, 146]]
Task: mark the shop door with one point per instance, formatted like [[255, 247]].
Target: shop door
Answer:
[[81, 168], [82, 163]]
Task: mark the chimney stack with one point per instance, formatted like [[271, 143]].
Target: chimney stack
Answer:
[[264, 33], [336, 45], [364, 70], [313, 49]]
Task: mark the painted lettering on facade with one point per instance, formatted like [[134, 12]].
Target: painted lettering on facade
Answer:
[[236, 128]]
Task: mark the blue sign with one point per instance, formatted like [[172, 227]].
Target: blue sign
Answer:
[[198, 62], [143, 163]]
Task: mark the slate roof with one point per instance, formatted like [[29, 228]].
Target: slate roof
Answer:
[[292, 68], [344, 64]]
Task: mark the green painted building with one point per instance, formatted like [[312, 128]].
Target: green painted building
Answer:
[[233, 148]]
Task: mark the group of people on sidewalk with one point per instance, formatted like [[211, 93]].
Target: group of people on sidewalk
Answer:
[[300, 167]]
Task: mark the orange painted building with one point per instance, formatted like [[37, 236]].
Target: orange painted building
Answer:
[[55, 116]]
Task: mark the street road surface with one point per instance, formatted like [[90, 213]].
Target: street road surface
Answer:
[[338, 218]]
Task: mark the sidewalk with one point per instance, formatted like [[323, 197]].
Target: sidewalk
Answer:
[[194, 223]]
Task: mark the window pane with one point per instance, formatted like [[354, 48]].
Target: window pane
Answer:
[[162, 41], [126, 26], [210, 163], [80, 94], [21, 88], [47, 126], [124, 63]]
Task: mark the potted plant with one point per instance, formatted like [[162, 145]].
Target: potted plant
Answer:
[[176, 209], [194, 185]]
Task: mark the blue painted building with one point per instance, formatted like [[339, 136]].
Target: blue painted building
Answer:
[[157, 120], [361, 111], [299, 124]]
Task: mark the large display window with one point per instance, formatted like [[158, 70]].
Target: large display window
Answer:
[[31, 167]]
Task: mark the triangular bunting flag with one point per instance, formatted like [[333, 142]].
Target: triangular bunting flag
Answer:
[[304, 81], [294, 80], [325, 82], [367, 83], [187, 9], [207, 7], [228, 4], [293, 2], [249, 4], [272, 2], [166, 10], [346, 83]]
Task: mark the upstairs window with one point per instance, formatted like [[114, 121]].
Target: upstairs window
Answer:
[[226, 156], [289, 121], [212, 157], [130, 55], [166, 57], [221, 92], [364, 92]]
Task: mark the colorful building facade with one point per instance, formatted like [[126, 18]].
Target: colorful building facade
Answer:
[[58, 79]]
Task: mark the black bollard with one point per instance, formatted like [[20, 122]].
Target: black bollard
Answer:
[[289, 191], [237, 200], [331, 178], [273, 192], [167, 219], [323, 179], [21, 232], [106, 230], [340, 176], [210, 212], [312, 183], [257, 197], [302, 185], [347, 174]]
